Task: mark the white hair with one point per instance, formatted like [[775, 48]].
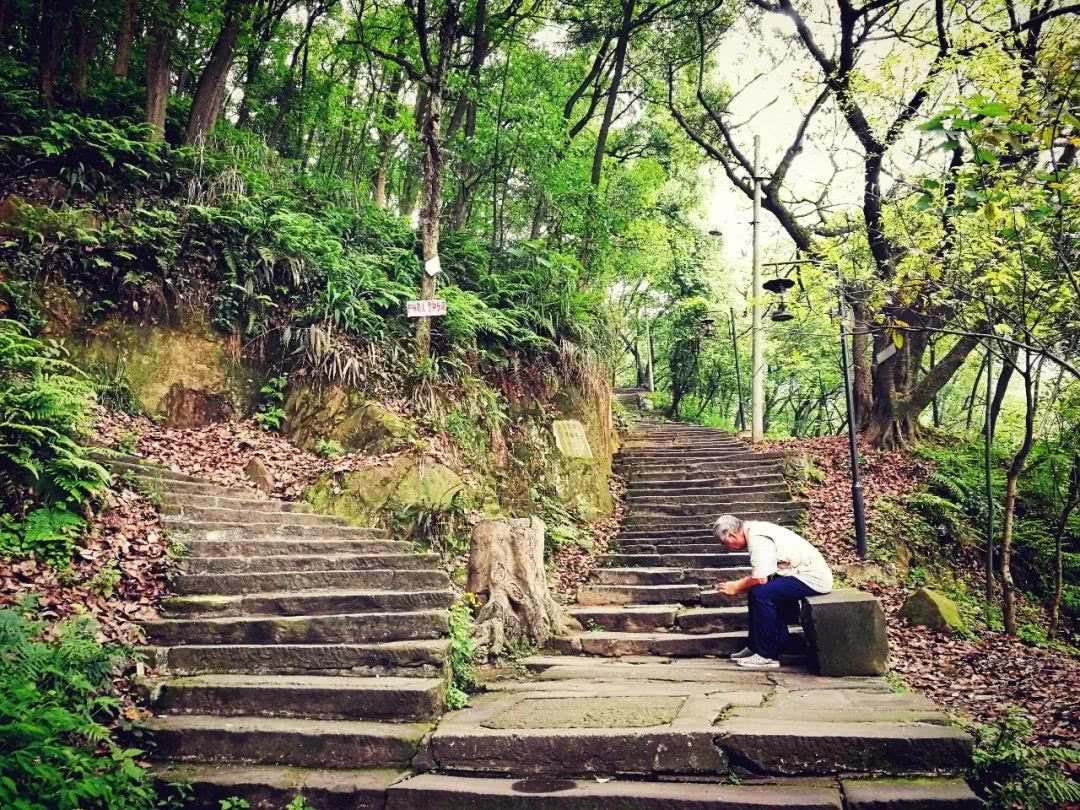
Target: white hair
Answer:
[[726, 525]]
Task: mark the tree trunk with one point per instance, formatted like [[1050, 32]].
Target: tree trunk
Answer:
[[84, 43], [210, 89], [506, 569], [1002, 387], [430, 210], [621, 47], [1072, 500], [125, 36], [158, 48], [411, 190], [1012, 479], [386, 134], [861, 384], [54, 20], [969, 403]]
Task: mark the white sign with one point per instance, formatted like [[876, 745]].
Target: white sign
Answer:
[[426, 309], [432, 266], [885, 353]]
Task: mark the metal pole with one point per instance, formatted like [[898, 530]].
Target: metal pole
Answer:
[[649, 347], [988, 439], [857, 506], [757, 387], [738, 374]]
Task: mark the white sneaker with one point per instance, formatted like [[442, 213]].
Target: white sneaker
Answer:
[[756, 661], [745, 652]]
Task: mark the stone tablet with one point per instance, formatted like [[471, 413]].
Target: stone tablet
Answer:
[[571, 440]]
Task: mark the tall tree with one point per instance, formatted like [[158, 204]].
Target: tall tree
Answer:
[[158, 72], [125, 37], [210, 89]]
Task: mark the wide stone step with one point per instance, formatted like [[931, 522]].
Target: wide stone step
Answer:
[[773, 492], [699, 471], [250, 515], [691, 534], [712, 619], [595, 594], [734, 505], [227, 529], [699, 459], [306, 696], [785, 516], [670, 557], [277, 546], [432, 791], [331, 562], [422, 657], [664, 546], [679, 645], [285, 741], [627, 618], [667, 575], [705, 445], [179, 502], [736, 480], [791, 746], [340, 629], [169, 488], [377, 579], [266, 786], [303, 603], [150, 472]]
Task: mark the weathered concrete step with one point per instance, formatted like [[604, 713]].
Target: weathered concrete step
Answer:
[[250, 515], [674, 559], [735, 480], [283, 527], [277, 546], [674, 546], [176, 502], [670, 574], [265, 787], [627, 618], [376, 579], [303, 603], [760, 492], [439, 792], [594, 594], [305, 696], [608, 644], [307, 562], [341, 629], [423, 657], [794, 747], [736, 505], [285, 741]]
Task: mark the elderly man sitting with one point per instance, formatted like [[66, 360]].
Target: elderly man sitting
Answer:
[[784, 568]]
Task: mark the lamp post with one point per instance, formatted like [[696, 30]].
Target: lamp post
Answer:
[[779, 286]]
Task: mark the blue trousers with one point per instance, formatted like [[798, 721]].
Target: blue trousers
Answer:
[[773, 606]]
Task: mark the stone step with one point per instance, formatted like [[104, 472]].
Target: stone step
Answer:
[[151, 472], [734, 480], [735, 505], [250, 515], [277, 546], [698, 471], [667, 575], [785, 516], [303, 603], [264, 786], [227, 529], [627, 618], [433, 791], [691, 534], [377, 579], [422, 656], [179, 502], [285, 741], [772, 492], [594, 594], [292, 563], [340, 629], [791, 746], [306, 696], [712, 619], [170, 487], [678, 645], [697, 458], [663, 559], [702, 445], [662, 546]]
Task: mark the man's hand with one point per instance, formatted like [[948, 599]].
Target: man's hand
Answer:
[[730, 588]]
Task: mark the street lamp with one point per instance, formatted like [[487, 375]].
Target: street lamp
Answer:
[[779, 286]]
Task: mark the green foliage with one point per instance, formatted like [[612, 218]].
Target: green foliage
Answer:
[[233, 803], [443, 530], [56, 703], [1010, 773], [328, 448], [299, 803], [113, 387], [45, 403], [562, 526], [271, 413], [463, 652]]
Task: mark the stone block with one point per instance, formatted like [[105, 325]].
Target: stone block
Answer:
[[846, 633], [909, 794], [932, 609], [571, 440]]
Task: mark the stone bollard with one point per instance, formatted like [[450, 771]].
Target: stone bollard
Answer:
[[845, 632]]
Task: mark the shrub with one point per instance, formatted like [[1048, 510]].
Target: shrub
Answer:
[[56, 704], [328, 448], [1009, 773], [462, 652]]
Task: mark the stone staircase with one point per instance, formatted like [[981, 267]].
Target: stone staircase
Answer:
[[300, 653]]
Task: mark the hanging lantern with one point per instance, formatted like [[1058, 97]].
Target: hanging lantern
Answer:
[[708, 327], [782, 314]]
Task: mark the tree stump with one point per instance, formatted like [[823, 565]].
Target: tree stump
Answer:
[[506, 570]]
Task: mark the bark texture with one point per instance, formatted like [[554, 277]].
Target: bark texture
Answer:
[[157, 74], [125, 36], [506, 569], [210, 91]]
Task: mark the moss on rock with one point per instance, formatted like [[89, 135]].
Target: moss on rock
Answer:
[[932, 609], [346, 416]]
